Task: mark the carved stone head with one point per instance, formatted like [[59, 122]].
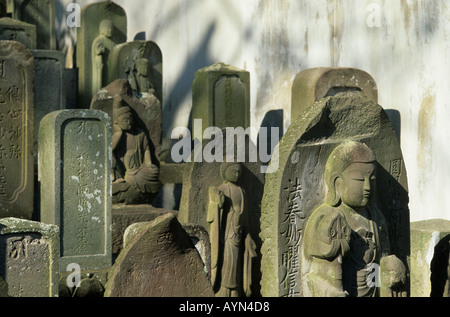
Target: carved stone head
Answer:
[[123, 116], [350, 175], [142, 66], [230, 171], [106, 28]]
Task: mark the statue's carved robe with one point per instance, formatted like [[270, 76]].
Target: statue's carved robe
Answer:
[[129, 161], [232, 248]]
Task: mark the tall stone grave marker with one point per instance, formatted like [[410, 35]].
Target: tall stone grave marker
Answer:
[[141, 63], [221, 97], [29, 257], [75, 176], [298, 187], [103, 25], [16, 130], [15, 30], [49, 92], [40, 13]]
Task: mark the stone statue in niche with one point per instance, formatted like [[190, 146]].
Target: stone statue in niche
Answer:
[[346, 239], [139, 75], [232, 247], [101, 48], [135, 176]]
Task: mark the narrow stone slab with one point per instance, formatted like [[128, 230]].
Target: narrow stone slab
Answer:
[[16, 130], [75, 176], [49, 90], [221, 96], [40, 13], [29, 257]]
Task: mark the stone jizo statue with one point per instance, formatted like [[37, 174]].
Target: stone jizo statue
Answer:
[[101, 48], [346, 240], [139, 75], [232, 247], [135, 177]]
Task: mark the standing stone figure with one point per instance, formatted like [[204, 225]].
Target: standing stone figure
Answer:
[[140, 77], [346, 240], [101, 48], [135, 177], [232, 247]]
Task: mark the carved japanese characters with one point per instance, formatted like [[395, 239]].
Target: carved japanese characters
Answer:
[[75, 179], [346, 238], [16, 130], [29, 254], [336, 112], [232, 247]]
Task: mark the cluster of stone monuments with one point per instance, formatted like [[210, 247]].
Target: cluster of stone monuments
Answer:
[[77, 183]]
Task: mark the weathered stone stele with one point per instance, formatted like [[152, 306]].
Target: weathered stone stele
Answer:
[[22, 32], [49, 91], [40, 13], [141, 63], [75, 178], [297, 188], [92, 16], [425, 236], [221, 97], [159, 260], [29, 257], [16, 130]]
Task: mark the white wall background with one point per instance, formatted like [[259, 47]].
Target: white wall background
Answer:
[[407, 53]]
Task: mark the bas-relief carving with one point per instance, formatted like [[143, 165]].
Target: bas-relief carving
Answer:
[[232, 247], [346, 238], [140, 62], [135, 176], [139, 76], [103, 26], [102, 46]]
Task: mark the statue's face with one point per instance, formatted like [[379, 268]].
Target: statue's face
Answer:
[[106, 28], [232, 173], [125, 121], [142, 66], [357, 184]]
